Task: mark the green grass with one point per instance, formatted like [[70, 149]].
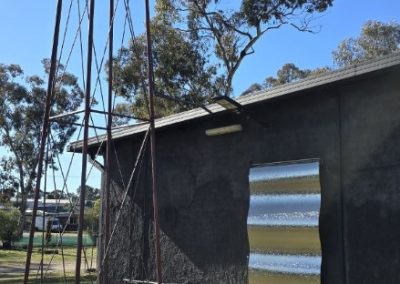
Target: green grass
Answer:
[[284, 240], [52, 279], [260, 277], [68, 239], [12, 265]]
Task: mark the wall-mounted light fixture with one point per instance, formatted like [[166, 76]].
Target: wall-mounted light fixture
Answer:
[[224, 130], [232, 105]]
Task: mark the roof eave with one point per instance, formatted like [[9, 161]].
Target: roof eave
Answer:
[[253, 98]]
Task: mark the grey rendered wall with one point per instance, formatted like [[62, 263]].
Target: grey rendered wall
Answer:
[[351, 127], [371, 179]]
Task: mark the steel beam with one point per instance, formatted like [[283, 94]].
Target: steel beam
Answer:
[[153, 145], [43, 138], [85, 143]]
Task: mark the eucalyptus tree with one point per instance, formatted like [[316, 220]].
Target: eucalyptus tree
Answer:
[[8, 182], [199, 46], [181, 72], [376, 39], [290, 73], [22, 104], [230, 31]]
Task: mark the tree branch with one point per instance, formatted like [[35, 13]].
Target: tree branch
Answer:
[[215, 33]]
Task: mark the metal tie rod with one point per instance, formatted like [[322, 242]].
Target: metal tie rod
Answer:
[[126, 280], [66, 114]]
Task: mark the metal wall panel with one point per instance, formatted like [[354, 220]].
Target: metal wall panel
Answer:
[[283, 222]]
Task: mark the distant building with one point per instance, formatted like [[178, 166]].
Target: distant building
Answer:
[[60, 208]]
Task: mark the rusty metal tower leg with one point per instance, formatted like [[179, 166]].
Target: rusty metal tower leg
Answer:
[[153, 144], [45, 129], [109, 138], [85, 143]]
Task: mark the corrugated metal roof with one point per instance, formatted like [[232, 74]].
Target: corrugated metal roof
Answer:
[[258, 97]]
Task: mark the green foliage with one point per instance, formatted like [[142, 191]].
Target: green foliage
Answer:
[[291, 73], [92, 217], [376, 39], [229, 32], [22, 105], [265, 11], [186, 34], [179, 72], [91, 194], [253, 88], [288, 73], [57, 194], [9, 224], [8, 183]]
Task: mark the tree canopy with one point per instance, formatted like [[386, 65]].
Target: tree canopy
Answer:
[[92, 217], [198, 47], [180, 72], [376, 39], [288, 73], [230, 32], [10, 219], [22, 105], [91, 194], [8, 182]]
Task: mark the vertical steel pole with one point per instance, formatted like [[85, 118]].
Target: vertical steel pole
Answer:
[[85, 143], [46, 165], [45, 128], [109, 138], [153, 144]]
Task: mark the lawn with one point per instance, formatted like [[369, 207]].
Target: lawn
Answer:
[[68, 239], [262, 239], [12, 265]]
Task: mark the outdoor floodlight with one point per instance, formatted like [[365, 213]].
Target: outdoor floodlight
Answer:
[[232, 105], [228, 103]]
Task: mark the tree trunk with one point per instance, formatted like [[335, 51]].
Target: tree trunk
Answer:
[[24, 197], [22, 209], [228, 84]]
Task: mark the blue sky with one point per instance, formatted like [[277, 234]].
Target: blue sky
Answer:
[[27, 28]]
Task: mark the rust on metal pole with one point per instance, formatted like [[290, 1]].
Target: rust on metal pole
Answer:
[[108, 144], [85, 144], [43, 138], [153, 144]]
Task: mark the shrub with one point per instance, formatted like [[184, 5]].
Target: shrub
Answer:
[[10, 219], [92, 218]]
